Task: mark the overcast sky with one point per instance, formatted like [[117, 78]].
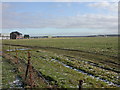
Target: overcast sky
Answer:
[[60, 18]]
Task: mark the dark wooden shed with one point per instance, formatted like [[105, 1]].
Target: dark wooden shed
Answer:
[[15, 35]]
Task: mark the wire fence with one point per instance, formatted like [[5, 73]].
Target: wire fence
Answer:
[[29, 70]]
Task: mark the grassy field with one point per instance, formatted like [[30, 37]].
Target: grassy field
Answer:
[[10, 76], [107, 46], [65, 61]]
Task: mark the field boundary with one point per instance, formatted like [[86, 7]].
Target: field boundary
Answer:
[[35, 72]]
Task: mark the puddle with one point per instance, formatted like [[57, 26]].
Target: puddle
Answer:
[[21, 49], [1, 52], [17, 83], [81, 71], [97, 65]]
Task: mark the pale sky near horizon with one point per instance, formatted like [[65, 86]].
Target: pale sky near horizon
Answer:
[[60, 18]]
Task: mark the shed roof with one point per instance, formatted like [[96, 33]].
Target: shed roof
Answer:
[[16, 32]]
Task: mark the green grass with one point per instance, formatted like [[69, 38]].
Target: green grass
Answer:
[[107, 46], [42, 62], [61, 76], [98, 50], [8, 76]]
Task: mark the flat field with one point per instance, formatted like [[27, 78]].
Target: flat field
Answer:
[[65, 61]]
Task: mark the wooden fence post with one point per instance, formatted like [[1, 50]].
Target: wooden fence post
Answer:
[[80, 84], [9, 49], [16, 56], [29, 70]]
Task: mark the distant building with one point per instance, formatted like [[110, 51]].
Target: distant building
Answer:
[[37, 37], [26, 36], [4, 36], [16, 35]]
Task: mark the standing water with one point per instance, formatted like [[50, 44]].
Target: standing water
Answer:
[[17, 83], [81, 71], [21, 49]]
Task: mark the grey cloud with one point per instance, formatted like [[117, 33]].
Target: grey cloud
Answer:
[[37, 20], [13, 20], [105, 5]]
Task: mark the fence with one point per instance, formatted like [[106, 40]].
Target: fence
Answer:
[[28, 77]]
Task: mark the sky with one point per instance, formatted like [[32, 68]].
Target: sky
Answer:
[[60, 18]]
